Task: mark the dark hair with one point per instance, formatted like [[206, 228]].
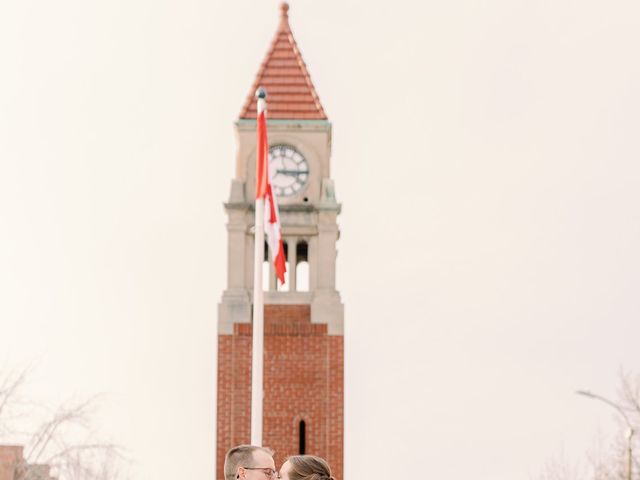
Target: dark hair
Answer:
[[237, 456], [309, 467]]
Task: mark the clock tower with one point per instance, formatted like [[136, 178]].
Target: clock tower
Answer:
[[303, 343]]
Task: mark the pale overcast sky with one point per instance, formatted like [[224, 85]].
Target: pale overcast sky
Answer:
[[487, 158]]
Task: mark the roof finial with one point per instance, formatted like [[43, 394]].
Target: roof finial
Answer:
[[284, 18], [261, 93], [284, 8]]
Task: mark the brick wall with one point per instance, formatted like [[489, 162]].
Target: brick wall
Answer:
[[10, 459], [14, 467], [303, 380]]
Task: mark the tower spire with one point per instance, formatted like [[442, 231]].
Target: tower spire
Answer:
[[284, 17], [284, 74], [303, 324]]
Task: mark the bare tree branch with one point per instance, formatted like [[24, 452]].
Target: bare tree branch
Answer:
[[630, 392], [64, 416], [10, 385]]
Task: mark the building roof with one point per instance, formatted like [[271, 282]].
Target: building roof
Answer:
[[284, 75]]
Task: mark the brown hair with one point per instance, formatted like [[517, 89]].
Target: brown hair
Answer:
[[309, 467], [240, 456]]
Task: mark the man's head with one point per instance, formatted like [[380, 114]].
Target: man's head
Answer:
[[247, 462]]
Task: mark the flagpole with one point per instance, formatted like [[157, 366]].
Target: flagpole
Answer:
[[257, 357]]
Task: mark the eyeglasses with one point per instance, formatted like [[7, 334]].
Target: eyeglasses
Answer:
[[269, 472]]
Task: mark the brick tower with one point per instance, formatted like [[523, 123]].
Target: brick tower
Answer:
[[303, 344]]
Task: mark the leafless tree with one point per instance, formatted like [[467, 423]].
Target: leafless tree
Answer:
[[62, 438], [606, 460], [559, 468]]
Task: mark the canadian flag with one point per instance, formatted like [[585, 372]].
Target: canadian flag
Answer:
[[265, 193]]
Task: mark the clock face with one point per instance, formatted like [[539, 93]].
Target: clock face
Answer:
[[289, 170]]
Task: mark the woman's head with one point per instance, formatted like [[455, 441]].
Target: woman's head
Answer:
[[305, 467]]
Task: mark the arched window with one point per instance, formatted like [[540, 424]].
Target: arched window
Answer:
[[302, 430], [266, 270], [302, 267], [286, 286]]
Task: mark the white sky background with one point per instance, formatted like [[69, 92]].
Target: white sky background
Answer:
[[486, 154]]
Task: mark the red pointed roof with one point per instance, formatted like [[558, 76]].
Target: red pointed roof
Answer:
[[284, 75]]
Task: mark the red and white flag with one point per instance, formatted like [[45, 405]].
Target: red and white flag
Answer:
[[265, 192]]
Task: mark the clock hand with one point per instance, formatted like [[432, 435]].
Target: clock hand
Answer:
[[291, 172]]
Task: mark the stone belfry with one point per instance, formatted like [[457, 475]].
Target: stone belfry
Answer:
[[303, 343]]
